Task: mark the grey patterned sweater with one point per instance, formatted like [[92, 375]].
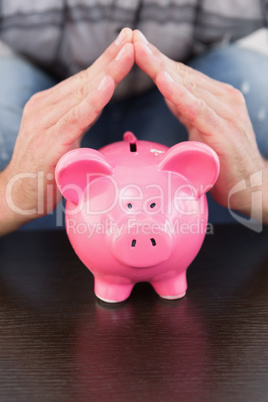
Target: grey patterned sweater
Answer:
[[66, 36]]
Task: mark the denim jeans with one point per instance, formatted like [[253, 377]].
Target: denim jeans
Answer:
[[146, 115]]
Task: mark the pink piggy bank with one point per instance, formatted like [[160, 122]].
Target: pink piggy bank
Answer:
[[137, 211]]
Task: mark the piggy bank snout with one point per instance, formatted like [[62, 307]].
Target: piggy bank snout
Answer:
[[142, 245]]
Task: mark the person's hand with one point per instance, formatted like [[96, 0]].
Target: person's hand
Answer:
[[214, 113], [53, 123]]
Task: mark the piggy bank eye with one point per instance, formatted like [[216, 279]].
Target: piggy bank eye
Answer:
[[152, 205], [129, 205]]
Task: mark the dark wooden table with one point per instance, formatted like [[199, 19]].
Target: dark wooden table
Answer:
[[59, 343]]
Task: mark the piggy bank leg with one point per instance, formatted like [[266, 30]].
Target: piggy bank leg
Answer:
[[115, 292], [171, 288]]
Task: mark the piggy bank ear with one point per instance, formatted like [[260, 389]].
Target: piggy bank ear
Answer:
[[197, 162], [77, 168]]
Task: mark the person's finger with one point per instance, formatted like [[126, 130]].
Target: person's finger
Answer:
[[117, 69], [152, 61], [213, 101], [193, 110], [81, 116], [61, 90]]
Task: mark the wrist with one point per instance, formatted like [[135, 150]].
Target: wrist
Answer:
[[256, 196], [9, 219], [248, 196], [265, 193]]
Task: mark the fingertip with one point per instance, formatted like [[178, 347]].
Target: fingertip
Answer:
[[142, 50], [103, 94], [165, 83], [126, 53], [125, 35], [129, 34], [110, 85], [106, 83], [135, 35], [131, 54], [138, 36], [143, 56], [164, 75], [129, 48]]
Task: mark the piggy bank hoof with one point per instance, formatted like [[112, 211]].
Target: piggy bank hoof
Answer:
[[172, 288], [108, 300], [173, 297], [112, 292]]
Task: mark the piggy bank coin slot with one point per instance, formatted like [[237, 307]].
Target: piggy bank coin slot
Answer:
[[133, 147], [153, 242]]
